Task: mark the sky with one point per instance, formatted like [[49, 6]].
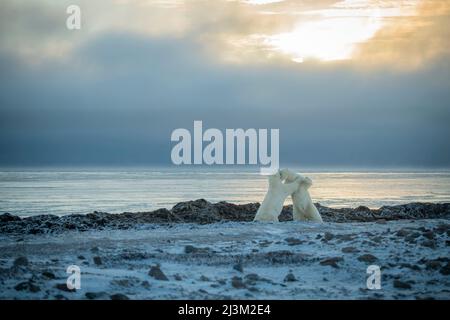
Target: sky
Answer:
[[360, 83]]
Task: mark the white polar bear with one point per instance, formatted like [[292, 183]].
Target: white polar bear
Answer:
[[302, 206], [273, 202]]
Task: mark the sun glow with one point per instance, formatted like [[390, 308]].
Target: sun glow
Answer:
[[262, 2], [325, 40]]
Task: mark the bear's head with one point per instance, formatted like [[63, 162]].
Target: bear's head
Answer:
[[289, 176], [306, 182]]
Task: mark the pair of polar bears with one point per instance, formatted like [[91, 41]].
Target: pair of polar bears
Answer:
[[281, 185]]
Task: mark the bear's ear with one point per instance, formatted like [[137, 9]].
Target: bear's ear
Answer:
[[284, 174], [275, 177], [307, 182], [288, 175]]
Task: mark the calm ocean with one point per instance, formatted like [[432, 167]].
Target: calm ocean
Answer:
[[65, 191]]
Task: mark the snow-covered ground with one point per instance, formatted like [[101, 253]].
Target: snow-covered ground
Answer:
[[233, 260]]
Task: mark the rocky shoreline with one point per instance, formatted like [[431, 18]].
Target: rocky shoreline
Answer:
[[232, 260], [203, 250], [203, 212]]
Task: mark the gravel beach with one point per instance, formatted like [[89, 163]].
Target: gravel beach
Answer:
[[200, 250]]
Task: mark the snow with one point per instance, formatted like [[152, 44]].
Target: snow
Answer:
[[269, 250]]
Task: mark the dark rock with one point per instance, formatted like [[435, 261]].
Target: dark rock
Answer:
[[412, 237], [63, 287], [442, 228], [177, 277], [156, 272], [328, 236], [202, 212], [345, 237], [290, 277], [189, 249], [401, 285], [332, 262], [204, 278], [49, 275], [410, 266], [27, 286], [403, 233], [236, 282], [7, 217], [293, 241], [362, 209], [377, 239], [429, 243], [119, 296], [129, 255], [432, 265], [98, 260], [429, 235], [96, 295], [423, 297], [445, 269], [350, 250], [252, 277], [265, 243], [238, 267], [123, 282], [20, 262], [367, 258]]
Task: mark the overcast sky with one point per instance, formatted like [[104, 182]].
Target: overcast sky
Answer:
[[348, 83]]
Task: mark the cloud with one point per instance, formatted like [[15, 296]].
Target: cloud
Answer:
[[404, 34], [118, 102], [132, 76], [413, 41]]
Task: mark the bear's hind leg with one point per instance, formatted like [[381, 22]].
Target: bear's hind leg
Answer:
[[313, 214]]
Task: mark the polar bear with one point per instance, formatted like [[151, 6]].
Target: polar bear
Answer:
[[273, 202], [302, 206]]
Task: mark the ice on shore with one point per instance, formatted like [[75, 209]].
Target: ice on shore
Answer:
[[232, 260]]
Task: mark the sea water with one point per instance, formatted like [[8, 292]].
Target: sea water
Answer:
[[29, 192]]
